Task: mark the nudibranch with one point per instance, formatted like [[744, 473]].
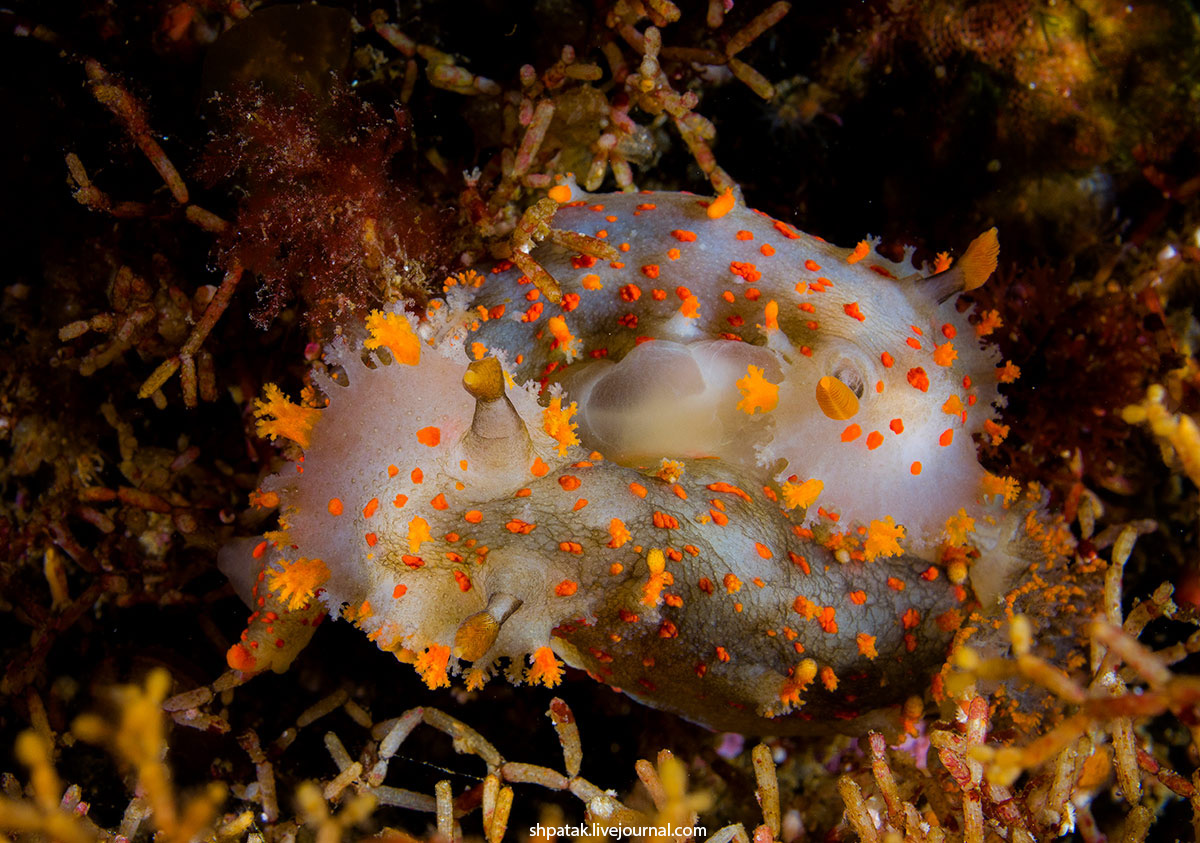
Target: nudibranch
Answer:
[[726, 467]]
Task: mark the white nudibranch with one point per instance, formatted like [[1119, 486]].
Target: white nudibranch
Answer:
[[718, 472]]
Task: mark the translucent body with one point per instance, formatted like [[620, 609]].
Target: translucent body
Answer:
[[657, 491]]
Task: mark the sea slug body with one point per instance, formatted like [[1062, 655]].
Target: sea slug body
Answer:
[[719, 472]]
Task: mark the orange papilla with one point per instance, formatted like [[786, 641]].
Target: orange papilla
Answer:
[[721, 206], [730, 489], [917, 379]]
